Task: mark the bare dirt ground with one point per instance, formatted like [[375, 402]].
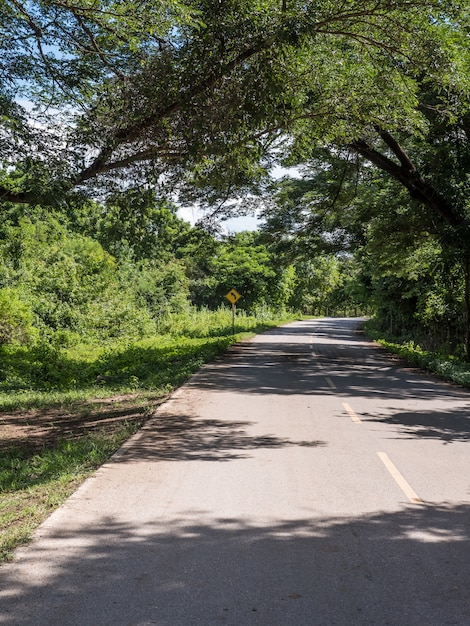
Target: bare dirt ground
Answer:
[[34, 429]]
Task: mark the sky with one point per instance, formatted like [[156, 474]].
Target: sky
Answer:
[[233, 225], [245, 222]]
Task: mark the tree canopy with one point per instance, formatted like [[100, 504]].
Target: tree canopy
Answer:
[[201, 94], [134, 105]]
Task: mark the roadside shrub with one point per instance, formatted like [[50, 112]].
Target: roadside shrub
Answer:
[[448, 367], [16, 319]]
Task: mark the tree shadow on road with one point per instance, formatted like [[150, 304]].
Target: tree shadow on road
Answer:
[[410, 566], [184, 438], [358, 369], [447, 426]]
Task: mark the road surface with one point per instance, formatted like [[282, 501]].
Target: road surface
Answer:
[[302, 479]]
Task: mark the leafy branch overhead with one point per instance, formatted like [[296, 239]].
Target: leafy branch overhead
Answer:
[[195, 91]]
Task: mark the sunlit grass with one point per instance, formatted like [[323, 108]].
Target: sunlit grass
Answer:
[[43, 375], [32, 486]]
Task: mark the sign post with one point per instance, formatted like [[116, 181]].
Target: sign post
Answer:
[[233, 296]]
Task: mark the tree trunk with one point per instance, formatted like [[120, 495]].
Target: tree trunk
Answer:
[[467, 306], [405, 171]]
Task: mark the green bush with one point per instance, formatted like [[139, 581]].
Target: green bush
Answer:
[[449, 368], [16, 319]]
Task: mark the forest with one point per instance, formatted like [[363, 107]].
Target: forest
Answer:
[[114, 114], [107, 276]]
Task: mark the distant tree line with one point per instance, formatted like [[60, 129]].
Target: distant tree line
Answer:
[[119, 270]]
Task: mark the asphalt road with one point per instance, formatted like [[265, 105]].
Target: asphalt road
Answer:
[[303, 479]]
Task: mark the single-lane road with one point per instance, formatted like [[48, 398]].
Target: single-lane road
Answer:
[[302, 479]]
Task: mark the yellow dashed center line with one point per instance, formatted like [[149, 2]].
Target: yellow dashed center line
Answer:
[[330, 382], [351, 413], [409, 492], [399, 479]]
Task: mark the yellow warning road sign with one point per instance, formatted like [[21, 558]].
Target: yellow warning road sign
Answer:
[[233, 296]]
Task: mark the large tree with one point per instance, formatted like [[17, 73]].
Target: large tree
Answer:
[[149, 93], [418, 136]]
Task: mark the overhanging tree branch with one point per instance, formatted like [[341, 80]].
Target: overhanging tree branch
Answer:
[[408, 175], [22, 197]]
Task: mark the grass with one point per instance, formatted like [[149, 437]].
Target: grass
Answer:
[[64, 411], [448, 367], [32, 486]]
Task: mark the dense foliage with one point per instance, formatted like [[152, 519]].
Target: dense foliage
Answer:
[[111, 109], [406, 269], [167, 92], [393, 188], [65, 293]]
